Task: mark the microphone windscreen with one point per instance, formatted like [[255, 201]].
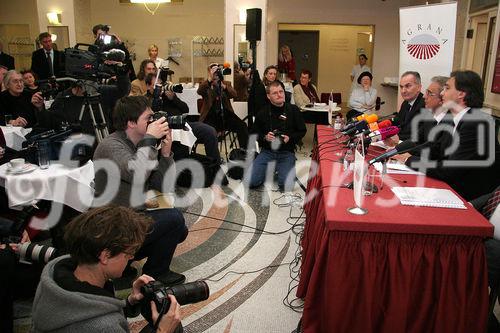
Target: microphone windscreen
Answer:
[[384, 123], [371, 118], [387, 132], [227, 65], [361, 117]]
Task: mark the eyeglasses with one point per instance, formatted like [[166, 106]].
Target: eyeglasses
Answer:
[[430, 93], [17, 81]]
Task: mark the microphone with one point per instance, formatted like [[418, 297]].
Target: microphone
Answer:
[[358, 127], [388, 116], [383, 133], [368, 120], [227, 65], [382, 124], [403, 147]]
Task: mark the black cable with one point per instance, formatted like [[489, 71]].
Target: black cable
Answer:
[[247, 272]]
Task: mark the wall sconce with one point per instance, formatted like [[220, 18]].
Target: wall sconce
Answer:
[[243, 16], [54, 18], [53, 37], [370, 39]]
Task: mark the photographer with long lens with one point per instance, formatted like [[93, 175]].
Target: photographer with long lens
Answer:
[[217, 110], [174, 106], [133, 149], [74, 293]]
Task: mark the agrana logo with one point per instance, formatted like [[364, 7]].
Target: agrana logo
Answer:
[[424, 41]]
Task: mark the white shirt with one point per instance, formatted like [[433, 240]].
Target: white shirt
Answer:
[[458, 117], [439, 116], [361, 97]]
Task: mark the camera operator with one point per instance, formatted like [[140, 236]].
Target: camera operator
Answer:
[[68, 103], [213, 90], [17, 281], [279, 126], [172, 104], [74, 293], [107, 41]]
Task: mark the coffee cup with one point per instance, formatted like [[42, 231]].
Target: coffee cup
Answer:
[[17, 163]]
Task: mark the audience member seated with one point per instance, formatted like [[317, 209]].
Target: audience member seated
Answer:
[[362, 98], [29, 78], [204, 133], [270, 75], [132, 148], [240, 84], [434, 114], [153, 56], [68, 104], [286, 63], [305, 92], [6, 60], [279, 127], [221, 117], [413, 102], [47, 62], [75, 294], [16, 102], [472, 166], [138, 86], [358, 69]]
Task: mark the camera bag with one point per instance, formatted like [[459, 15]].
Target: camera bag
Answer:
[[210, 169]]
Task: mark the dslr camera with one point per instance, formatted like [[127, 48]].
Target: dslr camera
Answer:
[[221, 71], [188, 293], [278, 134], [174, 122]]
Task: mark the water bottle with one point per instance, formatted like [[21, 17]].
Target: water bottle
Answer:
[[331, 106], [43, 153], [338, 123]]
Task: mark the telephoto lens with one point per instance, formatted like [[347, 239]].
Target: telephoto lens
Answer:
[[188, 293], [30, 253]]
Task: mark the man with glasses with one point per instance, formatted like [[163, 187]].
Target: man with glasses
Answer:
[[429, 120], [410, 86], [279, 126]]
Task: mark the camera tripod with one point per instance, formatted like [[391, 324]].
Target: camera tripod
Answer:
[[100, 129], [221, 113]]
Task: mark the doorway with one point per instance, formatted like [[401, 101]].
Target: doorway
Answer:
[[305, 48]]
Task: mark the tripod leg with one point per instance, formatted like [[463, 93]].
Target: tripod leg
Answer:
[[97, 130], [104, 127]]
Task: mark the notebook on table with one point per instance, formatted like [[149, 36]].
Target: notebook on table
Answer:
[[428, 197]]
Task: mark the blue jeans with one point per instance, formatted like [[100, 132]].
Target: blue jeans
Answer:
[[285, 168], [165, 233]]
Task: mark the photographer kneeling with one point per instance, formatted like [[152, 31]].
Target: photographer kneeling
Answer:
[[75, 294]]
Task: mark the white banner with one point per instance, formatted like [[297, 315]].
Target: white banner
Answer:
[[427, 40]]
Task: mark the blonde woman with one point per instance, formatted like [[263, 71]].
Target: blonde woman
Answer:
[[153, 55]]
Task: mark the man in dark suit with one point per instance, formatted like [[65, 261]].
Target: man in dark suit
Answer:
[[47, 62], [468, 157], [5, 59], [410, 86]]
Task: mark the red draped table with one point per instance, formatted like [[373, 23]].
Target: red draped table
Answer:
[[397, 268]]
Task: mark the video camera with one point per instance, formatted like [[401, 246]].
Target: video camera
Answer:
[[174, 122], [90, 64], [185, 294]]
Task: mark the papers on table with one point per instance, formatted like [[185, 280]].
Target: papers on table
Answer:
[[428, 197], [382, 144], [397, 169]]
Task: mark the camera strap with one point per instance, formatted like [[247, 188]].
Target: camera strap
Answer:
[[161, 312]]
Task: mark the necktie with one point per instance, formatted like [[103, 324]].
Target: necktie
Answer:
[[51, 66], [491, 205]]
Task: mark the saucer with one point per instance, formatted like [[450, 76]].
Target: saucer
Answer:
[[24, 169]]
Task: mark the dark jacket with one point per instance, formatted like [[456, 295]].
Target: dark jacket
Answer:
[[7, 61], [209, 95], [17, 106], [477, 135], [406, 115], [268, 120], [40, 64]]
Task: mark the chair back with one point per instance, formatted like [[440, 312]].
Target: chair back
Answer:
[[337, 97], [199, 104]]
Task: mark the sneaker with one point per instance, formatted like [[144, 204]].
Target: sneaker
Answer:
[[171, 278]]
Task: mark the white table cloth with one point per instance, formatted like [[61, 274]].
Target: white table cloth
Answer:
[[15, 136], [70, 186]]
